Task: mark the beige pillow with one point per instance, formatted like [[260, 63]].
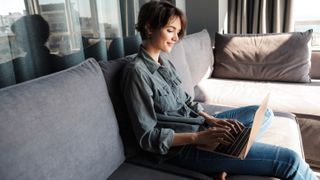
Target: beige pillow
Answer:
[[268, 57]]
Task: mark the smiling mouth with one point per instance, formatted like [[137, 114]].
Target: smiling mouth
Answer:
[[170, 44]]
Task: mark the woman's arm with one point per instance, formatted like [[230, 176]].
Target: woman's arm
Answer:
[[204, 138], [231, 124], [138, 98]]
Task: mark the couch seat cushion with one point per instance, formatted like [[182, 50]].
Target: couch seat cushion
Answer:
[[283, 131], [136, 172], [60, 126], [288, 97]]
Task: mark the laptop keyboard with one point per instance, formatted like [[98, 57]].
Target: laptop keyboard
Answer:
[[236, 147]]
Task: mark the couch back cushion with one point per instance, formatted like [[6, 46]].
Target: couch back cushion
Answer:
[[112, 71], [269, 57], [60, 126], [192, 57], [178, 58], [199, 55]]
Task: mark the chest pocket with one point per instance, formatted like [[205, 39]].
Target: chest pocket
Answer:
[[165, 101], [176, 81]]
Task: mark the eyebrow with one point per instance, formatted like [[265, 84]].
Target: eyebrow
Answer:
[[173, 27]]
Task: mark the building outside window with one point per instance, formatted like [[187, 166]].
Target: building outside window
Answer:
[[307, 16], [69, 21], [8, 49]]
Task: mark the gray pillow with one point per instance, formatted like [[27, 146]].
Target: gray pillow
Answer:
[[199, 55], [60, 126], [193, 59], [268, 57], [112, 71], [178, 58]]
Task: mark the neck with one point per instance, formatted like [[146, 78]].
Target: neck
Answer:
[[153, 52]]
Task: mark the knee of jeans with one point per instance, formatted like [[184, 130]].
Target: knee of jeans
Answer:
[[291, 161], [253, 107], [268, 114], [293, 157]]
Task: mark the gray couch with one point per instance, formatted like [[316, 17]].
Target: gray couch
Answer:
[[73, 125]]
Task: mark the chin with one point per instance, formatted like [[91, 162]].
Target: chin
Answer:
[[167, 50]]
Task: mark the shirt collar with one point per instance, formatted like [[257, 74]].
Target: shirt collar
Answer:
[[149, 62]]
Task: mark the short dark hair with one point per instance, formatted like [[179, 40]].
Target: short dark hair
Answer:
[[156, 14]]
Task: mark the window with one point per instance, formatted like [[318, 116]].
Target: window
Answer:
[[8, 14], [51, 35], [307, 16]]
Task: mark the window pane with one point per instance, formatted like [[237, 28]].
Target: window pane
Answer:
[[9, 14], [74, 30], [63, 19], [308, 17]]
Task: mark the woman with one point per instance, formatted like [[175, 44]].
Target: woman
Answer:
[[154, 98]]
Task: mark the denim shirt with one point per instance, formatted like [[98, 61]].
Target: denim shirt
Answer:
[[151, 90]]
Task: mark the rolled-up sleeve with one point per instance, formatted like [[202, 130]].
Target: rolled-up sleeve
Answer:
[[138, 98]]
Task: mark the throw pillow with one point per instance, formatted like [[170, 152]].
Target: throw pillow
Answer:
[[178, 58], [193, 59], [199, 55], [59, 126], [112, 71], [268, 57]]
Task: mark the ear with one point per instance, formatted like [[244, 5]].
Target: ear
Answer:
[[148, 29]]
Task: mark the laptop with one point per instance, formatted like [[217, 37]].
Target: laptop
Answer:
[[244, 140]]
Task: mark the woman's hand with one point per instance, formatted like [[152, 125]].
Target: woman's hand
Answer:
[[213, 136], [208, 138], [232, 124]]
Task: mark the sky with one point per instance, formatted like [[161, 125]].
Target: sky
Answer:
[[13, 6], [307, 10]]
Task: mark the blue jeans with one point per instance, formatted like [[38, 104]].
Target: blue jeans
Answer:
[[262, 159]]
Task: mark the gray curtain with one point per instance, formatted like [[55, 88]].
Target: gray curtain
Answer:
[[260, 16]]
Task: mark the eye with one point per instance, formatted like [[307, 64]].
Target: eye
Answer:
[[170, 30]]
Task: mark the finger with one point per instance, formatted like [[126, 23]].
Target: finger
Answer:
[[237, 125], [224, 142], [227, 136], [218, 141], [217, 131], [228, 126], [222, 124], [233, 126]]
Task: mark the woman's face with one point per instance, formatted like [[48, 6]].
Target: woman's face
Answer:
[[165, 38]]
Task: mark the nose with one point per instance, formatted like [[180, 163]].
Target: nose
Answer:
[[175, 37]]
